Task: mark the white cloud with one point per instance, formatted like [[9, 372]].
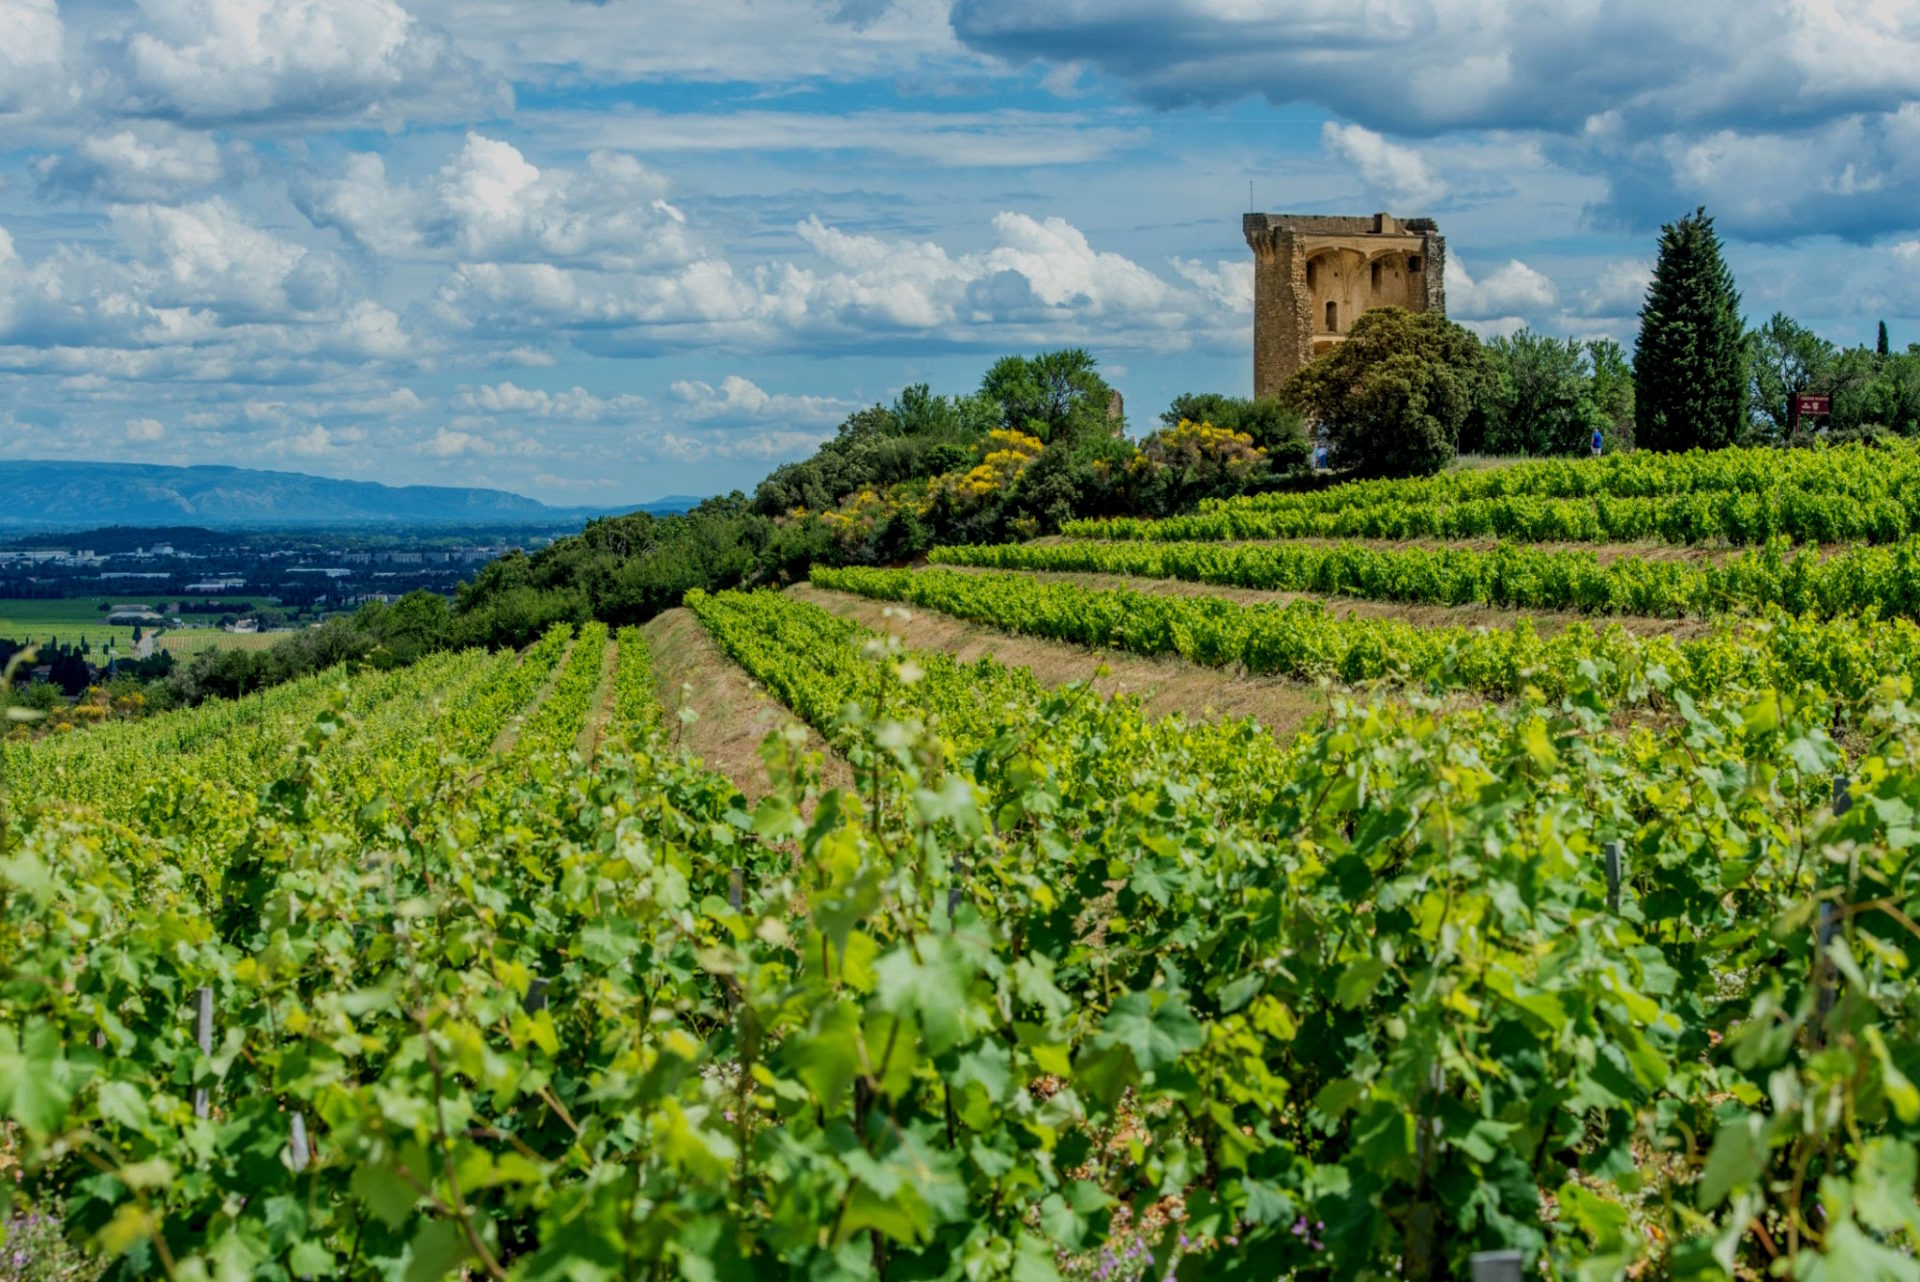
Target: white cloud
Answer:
[[450, 443], [208, 255], [32, 50], [1510, 289], [145, 430], [1399, 174], [575, 403], [240, 59], [739, 400], [145, 160], [315, 442], [1620, 289], [489, 203]]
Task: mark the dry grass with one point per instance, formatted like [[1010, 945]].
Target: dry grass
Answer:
[[1166, 685], [1424, 616], [734, 713]]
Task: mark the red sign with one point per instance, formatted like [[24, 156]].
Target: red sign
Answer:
[[1810, 405]]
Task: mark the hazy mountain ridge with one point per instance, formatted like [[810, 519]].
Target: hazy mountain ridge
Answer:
[[39, 494]]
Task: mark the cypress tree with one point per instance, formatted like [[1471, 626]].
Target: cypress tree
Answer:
[[1690, 361], [1881, 347]]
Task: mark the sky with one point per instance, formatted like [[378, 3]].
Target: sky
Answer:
[[603, 252]]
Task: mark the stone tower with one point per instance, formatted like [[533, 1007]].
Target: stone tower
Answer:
[[1313, 274]]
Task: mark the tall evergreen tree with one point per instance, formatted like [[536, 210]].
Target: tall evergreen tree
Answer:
[[1690, 361], [1882, 346]]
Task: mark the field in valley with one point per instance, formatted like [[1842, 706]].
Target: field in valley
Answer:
[[81, 618], [1322, 885]]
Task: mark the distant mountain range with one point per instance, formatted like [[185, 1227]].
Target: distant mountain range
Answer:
[[57, 495]]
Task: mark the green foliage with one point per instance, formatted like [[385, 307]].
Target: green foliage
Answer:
[[1690, 360], [1056, 396], [1859, 580], [1047, 966], [1391, 399], [1545, 398], [1785, 357], [622, 569], [1741, 496], [1274, 426], [1847, 657], [919, 436], [1611, 391]]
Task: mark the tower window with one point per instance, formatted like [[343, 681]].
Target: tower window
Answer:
[[1376, 275], [1413, 263], [1313, 275], [1333, 318]]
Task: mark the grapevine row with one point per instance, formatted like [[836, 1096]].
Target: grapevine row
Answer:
[[1857, 471], [1885, 581], [1736, 517], [1304, 640]]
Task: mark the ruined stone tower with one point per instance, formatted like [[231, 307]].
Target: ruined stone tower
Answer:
[[1314, 274]]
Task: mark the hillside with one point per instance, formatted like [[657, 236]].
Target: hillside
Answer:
[[54, 495]]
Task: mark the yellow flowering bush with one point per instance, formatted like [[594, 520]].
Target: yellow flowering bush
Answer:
[[1006, 453]]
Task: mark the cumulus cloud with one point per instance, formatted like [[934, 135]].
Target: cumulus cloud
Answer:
[[1618, 290], [575, 403], [208, 255], [32, 53], [490, 203], [1041, 280], [145, 430], [738, 400], [1397, 173], [225, 60], [143, 161], [1512, 289]]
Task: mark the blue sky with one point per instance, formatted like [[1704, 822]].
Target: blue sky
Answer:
[[602, 252]]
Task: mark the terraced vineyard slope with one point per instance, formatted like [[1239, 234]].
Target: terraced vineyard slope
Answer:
[[1598, 945]]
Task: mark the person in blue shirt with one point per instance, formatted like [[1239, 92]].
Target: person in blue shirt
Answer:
[[1596, 442]]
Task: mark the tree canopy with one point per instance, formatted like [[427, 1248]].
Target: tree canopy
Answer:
[[1392, 398]]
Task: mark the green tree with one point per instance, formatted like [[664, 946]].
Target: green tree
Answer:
[[1689, 363], [1784, 357], [1056, 396], [1881, 347], [1275, 426], [1391, 399], [1612, 391], [1542, 401]]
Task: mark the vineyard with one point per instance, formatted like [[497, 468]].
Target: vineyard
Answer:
[[1591, 942]]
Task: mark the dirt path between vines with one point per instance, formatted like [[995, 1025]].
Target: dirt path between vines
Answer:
[[1422, 616], [601, 709], [734, 712], [1166, 684]]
